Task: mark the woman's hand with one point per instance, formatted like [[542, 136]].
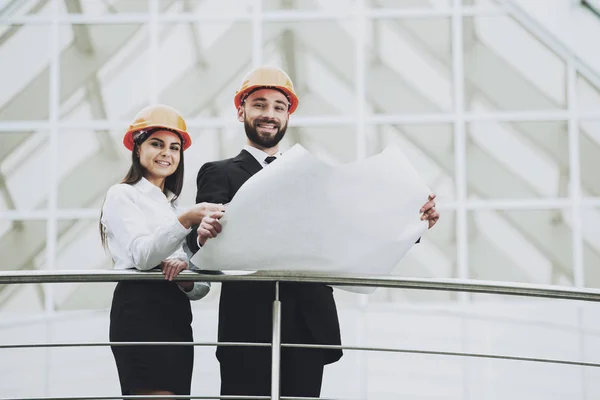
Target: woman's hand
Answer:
[[172, 267], [195, 214]]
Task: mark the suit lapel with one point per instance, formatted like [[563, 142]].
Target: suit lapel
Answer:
[[247, 162]]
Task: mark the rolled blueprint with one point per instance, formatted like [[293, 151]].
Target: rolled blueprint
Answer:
[[302, 214]]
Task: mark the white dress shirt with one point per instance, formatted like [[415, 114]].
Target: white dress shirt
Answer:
[[259, 154], [142, 229]]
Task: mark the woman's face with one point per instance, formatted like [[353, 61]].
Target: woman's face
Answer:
[[160, 155]]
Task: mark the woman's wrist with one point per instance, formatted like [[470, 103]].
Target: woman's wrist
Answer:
[[185, 220]]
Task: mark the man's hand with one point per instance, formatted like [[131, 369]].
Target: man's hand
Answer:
[[429, 212], [172, 267], [210, 227]]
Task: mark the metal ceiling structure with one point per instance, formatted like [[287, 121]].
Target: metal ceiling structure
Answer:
[[470, 119]]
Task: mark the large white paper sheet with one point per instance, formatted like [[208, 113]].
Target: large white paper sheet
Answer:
[[302, 214]]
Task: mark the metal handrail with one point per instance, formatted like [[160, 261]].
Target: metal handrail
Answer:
[[307, 346], [146, 397], [550, 40], [457, 285], [504, 288]]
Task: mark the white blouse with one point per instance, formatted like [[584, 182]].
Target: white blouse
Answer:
[[142, 229]]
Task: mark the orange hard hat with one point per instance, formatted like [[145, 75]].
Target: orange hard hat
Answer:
[[157, 116], [267, 77]]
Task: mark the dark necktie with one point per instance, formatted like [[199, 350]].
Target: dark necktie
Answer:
[[270, 159]]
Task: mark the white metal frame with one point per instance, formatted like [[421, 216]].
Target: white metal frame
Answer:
[[361, 13], [267, 16], [459, 118]]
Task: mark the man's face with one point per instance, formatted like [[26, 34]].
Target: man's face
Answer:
[[265, 117]]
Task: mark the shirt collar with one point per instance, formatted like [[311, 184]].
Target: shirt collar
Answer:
[[144, 186], [259, 154]]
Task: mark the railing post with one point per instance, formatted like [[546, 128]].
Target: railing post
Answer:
[[276, 346]]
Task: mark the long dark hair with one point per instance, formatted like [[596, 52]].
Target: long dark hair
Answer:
[[173, 182]]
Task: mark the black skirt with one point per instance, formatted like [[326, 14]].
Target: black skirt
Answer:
[[152, 312]]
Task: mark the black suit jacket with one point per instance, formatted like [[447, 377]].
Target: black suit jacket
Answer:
[[309, 313]]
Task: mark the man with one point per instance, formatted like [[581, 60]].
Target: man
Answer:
[[264, 104]]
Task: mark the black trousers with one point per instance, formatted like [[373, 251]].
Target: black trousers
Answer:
[[247, 371]]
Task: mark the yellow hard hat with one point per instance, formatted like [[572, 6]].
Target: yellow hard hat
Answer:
[[267, 77], [157, 116]]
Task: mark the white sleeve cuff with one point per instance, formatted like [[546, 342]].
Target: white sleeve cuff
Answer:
[[177, 230], [199, 290]]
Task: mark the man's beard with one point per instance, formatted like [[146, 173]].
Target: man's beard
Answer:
[[264, 141]]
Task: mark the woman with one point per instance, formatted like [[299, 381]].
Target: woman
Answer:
[[141, 229]]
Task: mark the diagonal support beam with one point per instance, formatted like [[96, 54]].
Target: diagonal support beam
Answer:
[[391, 88], [484, 62], [209, 81], [93, 93], [31, 103], [21, 246]]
